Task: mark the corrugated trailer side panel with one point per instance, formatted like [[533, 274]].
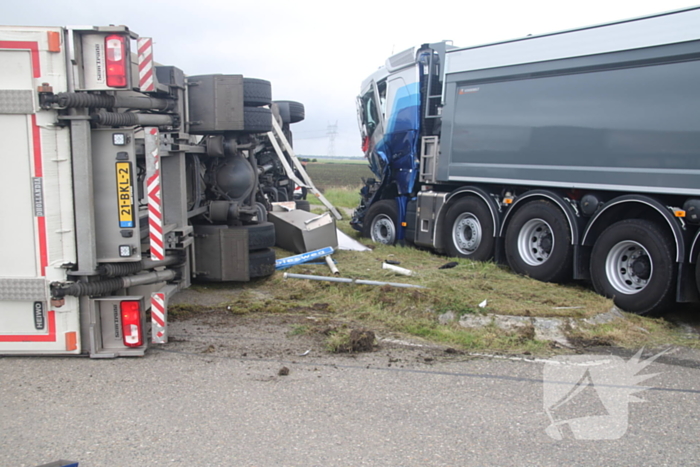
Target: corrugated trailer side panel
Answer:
[[618, 114], [37, 236]]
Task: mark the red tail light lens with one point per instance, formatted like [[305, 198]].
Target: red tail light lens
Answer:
[[131, 323], [115, 46], [365, 144]]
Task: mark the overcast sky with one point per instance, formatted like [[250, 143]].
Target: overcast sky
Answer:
[[318, 52]]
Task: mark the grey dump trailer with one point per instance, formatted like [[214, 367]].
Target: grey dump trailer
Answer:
[[572, 155], [123, 182]]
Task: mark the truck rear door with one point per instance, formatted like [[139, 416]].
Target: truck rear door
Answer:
[[37, 239]]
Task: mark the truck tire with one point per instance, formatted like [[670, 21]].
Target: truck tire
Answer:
[[257, 119], [380, 222], [538, 242], [260, 235], [261, 263], [256, 92], [291, 111], [632, 262], [303, 204], [468, 230]]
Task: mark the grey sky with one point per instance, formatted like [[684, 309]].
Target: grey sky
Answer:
[[318, 52]]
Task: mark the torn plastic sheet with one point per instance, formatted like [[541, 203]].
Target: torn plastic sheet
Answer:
[[347, 243]]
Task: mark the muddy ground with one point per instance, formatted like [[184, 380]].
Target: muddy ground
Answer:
[[285, 337]]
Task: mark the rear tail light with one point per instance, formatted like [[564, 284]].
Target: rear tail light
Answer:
[[365, 144], [115, 46], [132, 331]]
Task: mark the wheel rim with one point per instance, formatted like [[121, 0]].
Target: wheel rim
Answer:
[[466, 233], [383, 230], [628, 267], [535, 242]]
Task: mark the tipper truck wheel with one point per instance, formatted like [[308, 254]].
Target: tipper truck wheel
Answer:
[[538, 242], [468, 230], [632, 263], [380, 222]]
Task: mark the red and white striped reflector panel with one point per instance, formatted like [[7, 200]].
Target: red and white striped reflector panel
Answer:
[[146, 79], [155, 204], [159, 333]]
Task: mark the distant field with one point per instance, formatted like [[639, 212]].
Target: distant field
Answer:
[[326, 175]]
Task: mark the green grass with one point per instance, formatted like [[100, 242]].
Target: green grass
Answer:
[[347, 197], [414, 312], [326, 175]]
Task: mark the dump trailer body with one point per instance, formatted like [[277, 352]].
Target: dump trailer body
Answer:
[[607, 107]]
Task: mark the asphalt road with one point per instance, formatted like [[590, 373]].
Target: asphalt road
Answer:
[[188, 404]]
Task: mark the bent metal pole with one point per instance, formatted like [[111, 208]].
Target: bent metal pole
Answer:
[[288, 275]]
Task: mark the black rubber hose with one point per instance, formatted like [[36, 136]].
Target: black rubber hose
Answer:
[[119, 269], [69, 99], [81, 289], [102, 101], [115, 119]]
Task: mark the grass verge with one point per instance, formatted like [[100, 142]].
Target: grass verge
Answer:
[[415, 312], [344, 196]]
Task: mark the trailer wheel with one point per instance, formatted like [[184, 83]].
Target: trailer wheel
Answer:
[[538, 242], [260, 235], [303, 204], [632, 263], [468, 230], [291, 111], [257, 119], [256, 92], [380, 222], [261, 263]]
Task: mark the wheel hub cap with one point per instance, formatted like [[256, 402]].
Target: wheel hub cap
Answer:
[[383, 230], [535, 242], [628, 267], [466, 233]]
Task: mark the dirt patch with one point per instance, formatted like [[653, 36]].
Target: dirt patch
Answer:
[[361, 340]]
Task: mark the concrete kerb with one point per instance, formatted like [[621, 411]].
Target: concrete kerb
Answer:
[[546, 329]]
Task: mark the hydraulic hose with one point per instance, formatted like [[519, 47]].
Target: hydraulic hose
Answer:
[[125, 269], [97, 101], [132, 119], [81, 289]]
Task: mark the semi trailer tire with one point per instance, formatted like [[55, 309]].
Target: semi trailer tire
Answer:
[[538, 242], [632, 262], [260, 235], [291, 111], [380, 222], [303, 205], [261, 263], [256, 92], [257, 119], [468, 230]]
